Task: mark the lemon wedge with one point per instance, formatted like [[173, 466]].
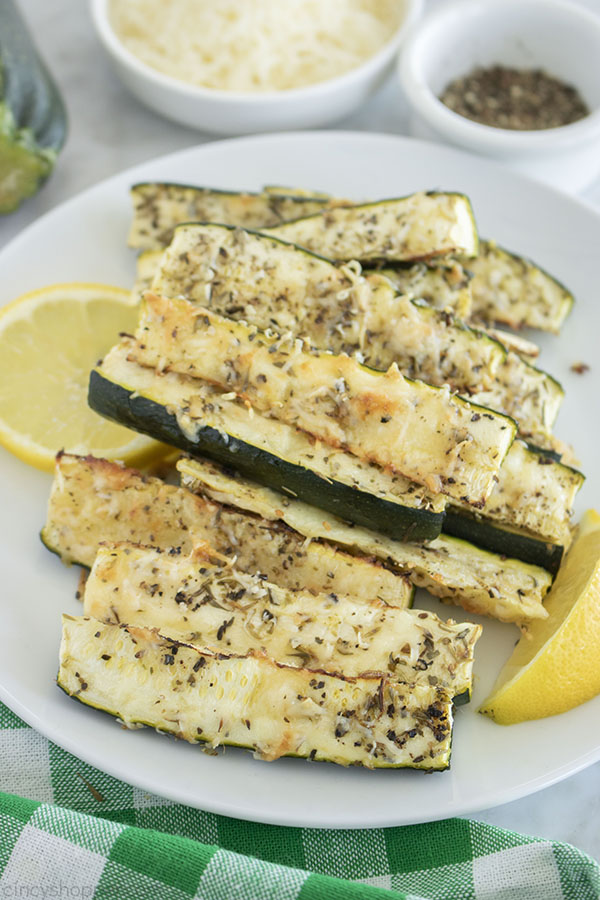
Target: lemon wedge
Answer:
[[554, 667], [50, 339]]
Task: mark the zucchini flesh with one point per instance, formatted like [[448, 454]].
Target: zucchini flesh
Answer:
[[282, 191], [159, 206], [513, 291], [93, 500], [250, 701], [405, 229], [274, 284], [515, 342], [269, 283], [451, 569], [535, 493], [207, 602], [527, 393], [194, 417], [147, 265], [425, 433], [445, 287]]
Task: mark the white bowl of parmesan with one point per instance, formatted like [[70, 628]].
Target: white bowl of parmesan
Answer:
[[243, 66]]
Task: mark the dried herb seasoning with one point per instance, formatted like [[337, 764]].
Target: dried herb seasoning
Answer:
[[518, 99]]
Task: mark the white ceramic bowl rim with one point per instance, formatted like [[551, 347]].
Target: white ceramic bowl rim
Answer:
[[412, 9], [472, 133]]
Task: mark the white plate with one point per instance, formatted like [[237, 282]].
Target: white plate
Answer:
[[85, 240]]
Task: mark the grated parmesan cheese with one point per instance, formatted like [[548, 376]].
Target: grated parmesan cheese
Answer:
[[255, 45]]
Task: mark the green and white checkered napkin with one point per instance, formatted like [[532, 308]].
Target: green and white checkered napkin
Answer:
[[83, 834]]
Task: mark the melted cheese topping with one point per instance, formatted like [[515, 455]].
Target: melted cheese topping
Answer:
[[257, 45]]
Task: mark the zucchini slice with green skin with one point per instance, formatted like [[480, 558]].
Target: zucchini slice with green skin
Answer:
[[501, 539], [402, 229], [535, 494], [442, 287], [159, 206], [94, 500], [206, 602], [271, 284], [274, 284], [422, 432], [192, 416], [143, 677], [526, 517], [513, 291], [451, 569]]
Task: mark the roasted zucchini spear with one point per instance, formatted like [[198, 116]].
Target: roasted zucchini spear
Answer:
[[272, 284], [432, 225], [405, 229], [534, 493], [250, 701], [93, 500], [296, 545], [159, 206], [207, 602], [452, 569], [526, 517], [193, 416], [512, 290], [422, 432], [443, 286]]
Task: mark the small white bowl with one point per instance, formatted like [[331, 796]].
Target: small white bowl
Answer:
[[555, 35], [233, 112]]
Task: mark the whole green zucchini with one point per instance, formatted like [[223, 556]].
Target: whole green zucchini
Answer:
[[33, 120]]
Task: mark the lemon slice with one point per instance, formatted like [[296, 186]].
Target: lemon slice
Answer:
[[49, 341], [554, 667]]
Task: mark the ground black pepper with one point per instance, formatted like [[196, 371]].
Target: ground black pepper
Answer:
[[518, 99]]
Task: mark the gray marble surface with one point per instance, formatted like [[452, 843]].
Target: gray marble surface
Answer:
[[110, 131]]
